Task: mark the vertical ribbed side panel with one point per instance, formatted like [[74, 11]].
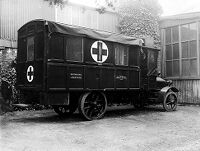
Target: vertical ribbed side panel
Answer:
[[87, 17], [15, 13], [1, 18], [189, 90]]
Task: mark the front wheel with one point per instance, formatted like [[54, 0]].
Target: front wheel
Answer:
[[92, 105], [170, 101]]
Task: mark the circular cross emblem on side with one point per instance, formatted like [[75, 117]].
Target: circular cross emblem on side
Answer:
[[30, 73], [99, 51]]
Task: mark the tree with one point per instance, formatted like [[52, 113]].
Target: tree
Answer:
[[153, 6], [139, 18], [108, 4]]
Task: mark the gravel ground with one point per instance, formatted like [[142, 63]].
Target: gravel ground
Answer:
[[120, 130]]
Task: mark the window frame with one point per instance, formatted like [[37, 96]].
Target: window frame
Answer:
[[82, 49], [172, 60], [27, 50], [189, 58], [51, 54]]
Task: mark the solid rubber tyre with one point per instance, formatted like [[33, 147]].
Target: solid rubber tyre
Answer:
[[170, 101], [92, 105]]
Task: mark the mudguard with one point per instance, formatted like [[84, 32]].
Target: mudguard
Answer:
[[164, 91], [167, 88]]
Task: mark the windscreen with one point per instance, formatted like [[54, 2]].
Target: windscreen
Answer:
[[152, 62]]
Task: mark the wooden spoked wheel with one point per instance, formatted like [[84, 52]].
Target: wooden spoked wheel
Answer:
[[64, 110], [170, 101], [92, 105]]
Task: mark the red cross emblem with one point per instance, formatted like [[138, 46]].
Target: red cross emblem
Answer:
[[99, 51], [30, 73]]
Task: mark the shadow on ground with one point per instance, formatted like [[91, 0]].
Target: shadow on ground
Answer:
[[48, 116]]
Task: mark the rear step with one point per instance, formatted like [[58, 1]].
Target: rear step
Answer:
[[23, 106]]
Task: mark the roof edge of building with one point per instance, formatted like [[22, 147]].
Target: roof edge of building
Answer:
[[192, 15]]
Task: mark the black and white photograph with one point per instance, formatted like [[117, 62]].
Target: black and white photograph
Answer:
[[99, 75]]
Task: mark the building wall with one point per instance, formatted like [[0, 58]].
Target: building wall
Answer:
[[180, 39], [189, 90], [15, 13], [87, 17]]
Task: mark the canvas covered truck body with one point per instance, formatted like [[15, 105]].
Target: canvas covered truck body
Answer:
[[69, 66]]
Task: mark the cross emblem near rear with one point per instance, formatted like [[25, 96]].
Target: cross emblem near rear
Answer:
[[30, 73]]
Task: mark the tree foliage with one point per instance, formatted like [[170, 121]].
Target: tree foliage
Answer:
[[56, 2], [107, 4], [139, 18], [153, 6], [103, 5], [8, 75]]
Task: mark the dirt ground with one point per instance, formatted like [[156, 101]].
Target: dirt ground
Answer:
[[120, 130]]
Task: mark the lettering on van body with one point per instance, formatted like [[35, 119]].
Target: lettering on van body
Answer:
[[76, 76]]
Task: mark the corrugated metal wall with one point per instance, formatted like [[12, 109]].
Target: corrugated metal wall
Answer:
[[189, 90], [15, 13], [87, 17]]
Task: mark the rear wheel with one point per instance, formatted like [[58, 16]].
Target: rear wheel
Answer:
[[170, 101], [92, 105]]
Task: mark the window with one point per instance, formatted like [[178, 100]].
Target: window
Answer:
[[184, 49], [134, 56], [22, 50], [187, 62], [168, 35], [172, 51], [74, 49], [30, 48], [121, 54], [188, 32], [192, 31], [175, 34], [152, 60], [56, 47], [184, 32], [175, 67], [175, 51], [189, 49], [168, 52], [39, 52], [169, 68]]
